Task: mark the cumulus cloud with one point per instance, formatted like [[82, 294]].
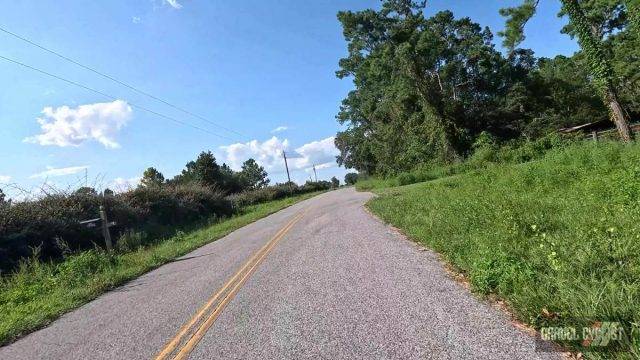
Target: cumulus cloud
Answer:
[[53, 172], [174, 4], [136, 19], [279, 129], [269, 154], [65, 126], [4, 179], [322, 152]]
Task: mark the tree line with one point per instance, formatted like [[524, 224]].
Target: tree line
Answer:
[[206, 171], [426, 88]]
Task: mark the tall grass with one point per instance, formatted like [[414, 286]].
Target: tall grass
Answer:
[[557, 238]]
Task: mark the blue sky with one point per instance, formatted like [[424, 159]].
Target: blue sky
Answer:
[[252, 66]]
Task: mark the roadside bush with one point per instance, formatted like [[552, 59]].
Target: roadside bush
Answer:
[[486, 152], [51, 223], [274, 192]]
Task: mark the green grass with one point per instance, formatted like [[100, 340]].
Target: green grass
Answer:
[[558, 238], [40, 292]]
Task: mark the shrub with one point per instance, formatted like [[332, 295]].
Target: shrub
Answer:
[[275, 192], [53, 220]]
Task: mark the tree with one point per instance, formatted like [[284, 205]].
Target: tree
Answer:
[[3, 200], [424, 88], [252, 175], [590, 24], [231, 181], [335, 183], [152, 177], [108, 192], [351, 178], [204, 170]]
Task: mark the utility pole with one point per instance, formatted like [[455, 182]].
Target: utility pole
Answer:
[[284, 155], [314, 172]]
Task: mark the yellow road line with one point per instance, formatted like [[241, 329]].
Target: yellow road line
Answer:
[[195, 339], [173, 344]]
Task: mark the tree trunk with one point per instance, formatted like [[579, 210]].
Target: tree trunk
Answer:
[[601, 68], [618, 116]]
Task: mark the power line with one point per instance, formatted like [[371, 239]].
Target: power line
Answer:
[[118, 81], [112, 97]]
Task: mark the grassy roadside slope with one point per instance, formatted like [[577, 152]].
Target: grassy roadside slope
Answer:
[[558, 238], [39, 293]]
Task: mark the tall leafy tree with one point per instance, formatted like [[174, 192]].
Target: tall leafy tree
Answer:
[[590, 21], [152, 177], [204, 170], [252, 175], [424, 87]]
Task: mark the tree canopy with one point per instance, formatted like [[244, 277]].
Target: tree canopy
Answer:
[[426, 87], [252, 175]]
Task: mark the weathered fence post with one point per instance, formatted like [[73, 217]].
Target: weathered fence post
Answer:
[[105, 228], [594, 135]]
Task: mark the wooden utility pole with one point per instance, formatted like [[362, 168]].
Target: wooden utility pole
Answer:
[[314, 172], [284, 155]]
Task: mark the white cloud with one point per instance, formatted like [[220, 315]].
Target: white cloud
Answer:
[[121, 184], [269, 154], [65, 126], [136, 20], [279, 129], [322, 152], [174, 4], [4, 179], [53, 172]]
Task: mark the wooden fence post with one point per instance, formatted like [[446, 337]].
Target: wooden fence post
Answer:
[[105, 228]]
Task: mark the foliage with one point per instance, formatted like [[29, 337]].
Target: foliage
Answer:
[[52, 219], [152, 177], [427, 87], [590, 21], [487, 152], [335, 183], [274, 192], [556, 238], [3, 200], [351, 178], [517, 17], [253, 176], [204, 170]]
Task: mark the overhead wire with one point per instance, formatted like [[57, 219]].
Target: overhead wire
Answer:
[[131, 87], [113, 97]]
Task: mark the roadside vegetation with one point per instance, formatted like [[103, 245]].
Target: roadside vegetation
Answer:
[[49, 226], [461, 141], [550, 226], [556, 238]]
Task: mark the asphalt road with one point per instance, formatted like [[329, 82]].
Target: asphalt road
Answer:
[[321, 279]]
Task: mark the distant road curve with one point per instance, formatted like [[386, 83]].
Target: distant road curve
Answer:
[[320, 279]]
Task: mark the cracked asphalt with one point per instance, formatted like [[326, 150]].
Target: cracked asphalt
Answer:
[[339, 285]]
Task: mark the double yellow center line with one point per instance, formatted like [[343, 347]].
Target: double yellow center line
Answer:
[[193, 330]]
